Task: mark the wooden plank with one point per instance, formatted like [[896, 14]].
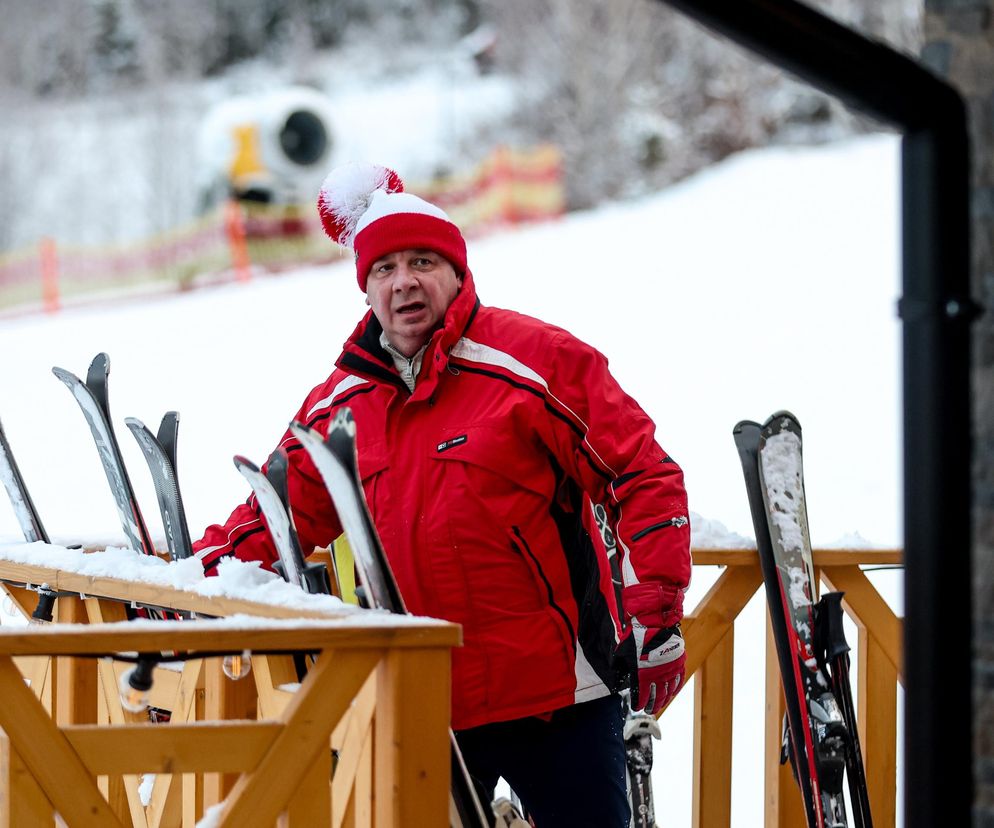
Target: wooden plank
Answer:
[[193, 799], [193, 784], [707, 624], [822, 557], [325, 694], [352, 747], [310, 804], [165, 807], [412, 748], [877, 717], [24, 600], [168, 748], [270, 673], [22, 802], [35, 670], [361, 810], [870, 610], [347, 633], [75, 679], [225, 699], [712, 797], [48, 755], [121, 791]]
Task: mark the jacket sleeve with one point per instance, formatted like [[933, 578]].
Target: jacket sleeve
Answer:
[[606, 442], [245, 536]]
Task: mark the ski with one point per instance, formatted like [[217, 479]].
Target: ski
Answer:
[[833, 652], [270, 489], [639, 730], [20, 498], [160, 454], [816, 733], [93, 401], [336, 461], [338, 470]]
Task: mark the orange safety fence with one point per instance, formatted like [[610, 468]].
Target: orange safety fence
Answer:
[[509, 187]]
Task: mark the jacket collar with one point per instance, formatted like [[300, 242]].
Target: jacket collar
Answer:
[[363, 353]]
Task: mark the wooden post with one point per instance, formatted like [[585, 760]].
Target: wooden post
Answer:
[[412, 715], [49, 757], [877, 716], [234, 224], [49, 274], [225, 699], [712, 805], [311, 803], [784, 803], [22, 802], [75, 678], [330, 687]]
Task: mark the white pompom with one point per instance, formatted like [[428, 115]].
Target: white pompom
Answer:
[[346, 194]]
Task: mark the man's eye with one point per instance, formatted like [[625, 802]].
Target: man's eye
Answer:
[[422, 262]]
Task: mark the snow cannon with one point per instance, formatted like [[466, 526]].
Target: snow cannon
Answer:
[[273, 147]]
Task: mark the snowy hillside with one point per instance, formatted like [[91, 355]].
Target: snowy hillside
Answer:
[[768, 282]]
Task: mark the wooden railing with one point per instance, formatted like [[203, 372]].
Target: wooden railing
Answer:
[[378, 702], [709, 633], [362, 740]]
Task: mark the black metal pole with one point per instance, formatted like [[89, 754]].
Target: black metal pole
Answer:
[[936, 311]]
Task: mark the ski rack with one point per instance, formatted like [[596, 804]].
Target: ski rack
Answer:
[[365, 695], [709, 632], [936, 311]]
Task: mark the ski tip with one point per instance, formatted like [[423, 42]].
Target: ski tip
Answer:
[[744, 425], [244, 463], [278, 458], [344, 421], [785, 419], [101, 362], [67, 377], [135, 424]]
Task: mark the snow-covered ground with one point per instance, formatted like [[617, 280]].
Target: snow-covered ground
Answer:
[[767, 282]]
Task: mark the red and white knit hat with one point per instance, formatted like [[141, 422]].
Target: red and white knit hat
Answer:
[[364, 207]]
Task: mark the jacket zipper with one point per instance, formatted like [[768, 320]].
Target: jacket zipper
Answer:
[[677, 521]]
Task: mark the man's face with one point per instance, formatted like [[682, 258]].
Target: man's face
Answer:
[[409, 292]]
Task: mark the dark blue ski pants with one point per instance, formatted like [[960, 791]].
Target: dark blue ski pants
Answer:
[[568, 771]]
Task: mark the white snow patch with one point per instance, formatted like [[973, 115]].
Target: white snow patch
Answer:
[[145, 788], [234, 579], [706, 533], [780, 460], [797, 589], [211, 817], [850, 540]]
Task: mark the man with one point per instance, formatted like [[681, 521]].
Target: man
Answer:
[[517, 491]]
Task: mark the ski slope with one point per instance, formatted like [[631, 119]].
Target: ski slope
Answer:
[[767, 282]]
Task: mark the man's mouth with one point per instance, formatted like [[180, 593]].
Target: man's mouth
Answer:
[[411, 307]]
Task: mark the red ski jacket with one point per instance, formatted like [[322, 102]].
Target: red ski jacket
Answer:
[[514, 491]]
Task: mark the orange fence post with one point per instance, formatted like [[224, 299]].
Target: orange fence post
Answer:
[[49, 274], [235, 227]]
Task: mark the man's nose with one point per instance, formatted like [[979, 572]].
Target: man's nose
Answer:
[[404, 278]]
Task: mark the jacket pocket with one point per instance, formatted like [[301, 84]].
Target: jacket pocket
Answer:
[[544, 588], [498, 464]]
